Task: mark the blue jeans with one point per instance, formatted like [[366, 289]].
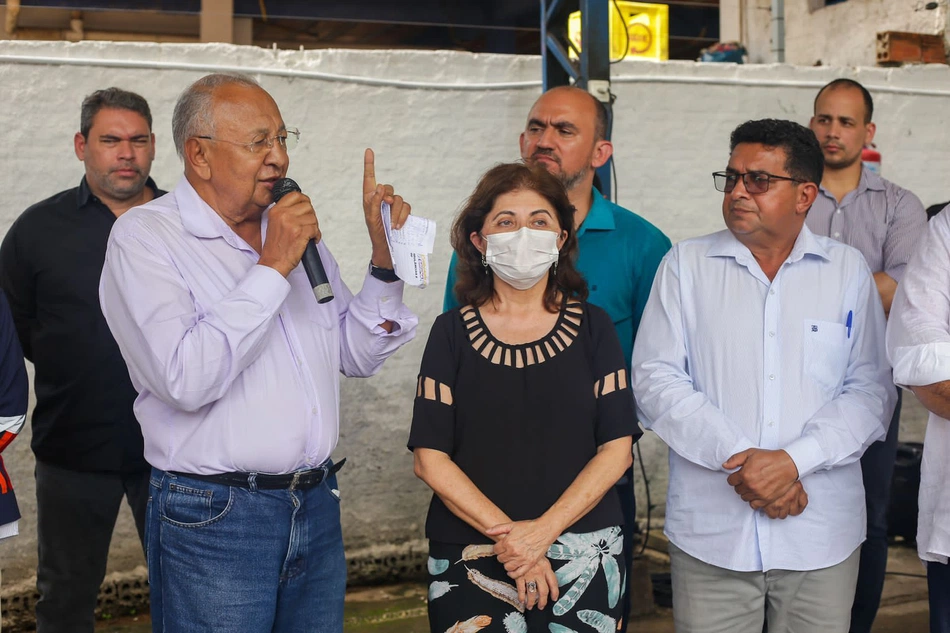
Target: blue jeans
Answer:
[[224, 559], [877, 469], [938, 584]]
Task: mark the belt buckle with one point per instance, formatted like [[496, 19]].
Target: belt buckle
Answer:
[[294, 481]]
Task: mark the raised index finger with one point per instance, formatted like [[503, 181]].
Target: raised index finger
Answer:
[[369, 171]]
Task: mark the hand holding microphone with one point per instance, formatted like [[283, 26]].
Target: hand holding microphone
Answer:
[[290, 225]]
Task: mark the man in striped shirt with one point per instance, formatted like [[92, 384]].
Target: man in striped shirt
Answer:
[[883, 221]]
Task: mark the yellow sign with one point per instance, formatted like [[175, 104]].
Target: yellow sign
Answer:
[[644, 31]]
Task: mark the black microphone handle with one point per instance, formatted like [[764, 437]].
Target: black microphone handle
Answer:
[[311, 257], [316, 274]]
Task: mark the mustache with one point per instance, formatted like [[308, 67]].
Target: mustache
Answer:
[[733, 207], [547, 153], [126, 167]]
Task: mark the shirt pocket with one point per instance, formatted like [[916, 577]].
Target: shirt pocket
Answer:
[[825, 354], [324, 315]]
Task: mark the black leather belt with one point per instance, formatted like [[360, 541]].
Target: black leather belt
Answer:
[[300, 480]]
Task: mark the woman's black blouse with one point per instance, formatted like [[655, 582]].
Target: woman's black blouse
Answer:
[[522, 421]]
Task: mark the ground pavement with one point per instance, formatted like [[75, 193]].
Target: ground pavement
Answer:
[[401, 608]]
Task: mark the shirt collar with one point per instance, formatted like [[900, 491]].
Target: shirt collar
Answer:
[[599, 218], [869, 181], [199, 219], [726, 245], [85, 195]]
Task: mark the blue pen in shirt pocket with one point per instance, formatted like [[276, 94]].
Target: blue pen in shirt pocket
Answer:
[[825, 352], [850, 319]]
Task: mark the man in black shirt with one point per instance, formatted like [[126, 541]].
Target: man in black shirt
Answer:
[[87, 443]]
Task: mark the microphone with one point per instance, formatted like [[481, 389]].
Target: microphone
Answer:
[[311, 257]]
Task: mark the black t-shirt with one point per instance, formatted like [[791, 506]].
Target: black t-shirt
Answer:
[[522, 421], [50, 263]]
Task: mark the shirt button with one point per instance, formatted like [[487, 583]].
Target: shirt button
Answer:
[[313, 410], [771, 333], [838, 210], [771, 292], [771, 423], [771, 376], [384, 299], [837, 234]]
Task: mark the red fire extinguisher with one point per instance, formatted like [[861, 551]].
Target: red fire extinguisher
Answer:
[[871, 158]]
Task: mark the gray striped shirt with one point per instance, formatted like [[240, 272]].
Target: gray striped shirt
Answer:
[[883, 221]]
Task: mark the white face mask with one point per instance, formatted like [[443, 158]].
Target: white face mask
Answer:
[[522, 258]]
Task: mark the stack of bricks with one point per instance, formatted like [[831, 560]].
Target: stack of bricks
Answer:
[[895, 48]]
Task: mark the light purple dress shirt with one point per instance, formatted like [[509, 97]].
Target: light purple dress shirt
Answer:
[[237, 368], [882, 220]]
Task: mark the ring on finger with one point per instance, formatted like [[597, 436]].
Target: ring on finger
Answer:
[[531, 586]]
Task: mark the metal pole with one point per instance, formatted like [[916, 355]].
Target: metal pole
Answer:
[[595, 68], [555, 65], [592, 73], [778, 31]]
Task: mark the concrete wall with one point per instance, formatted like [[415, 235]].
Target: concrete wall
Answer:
[[453, 115], [842, 34], [845, 34]]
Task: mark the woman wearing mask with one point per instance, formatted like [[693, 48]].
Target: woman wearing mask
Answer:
[[523, 422]]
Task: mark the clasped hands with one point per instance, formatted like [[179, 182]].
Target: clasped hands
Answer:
[[522, 548], [767, 480]]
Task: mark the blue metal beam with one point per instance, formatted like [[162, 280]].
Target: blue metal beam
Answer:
[[592, 70]]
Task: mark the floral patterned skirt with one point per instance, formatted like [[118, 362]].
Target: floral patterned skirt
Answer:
[[469, 593]]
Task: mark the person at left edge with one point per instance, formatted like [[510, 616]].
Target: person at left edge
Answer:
[[14, 395], [87, 444], [237, 368]]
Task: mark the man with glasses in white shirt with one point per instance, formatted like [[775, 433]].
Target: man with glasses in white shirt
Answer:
[[237, 368], [760, 363]]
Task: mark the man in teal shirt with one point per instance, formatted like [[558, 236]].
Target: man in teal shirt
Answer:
[[619, 251]]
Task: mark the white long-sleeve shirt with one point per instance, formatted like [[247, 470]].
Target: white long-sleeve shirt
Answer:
[[237, 368], [918, 346], [726, 360]]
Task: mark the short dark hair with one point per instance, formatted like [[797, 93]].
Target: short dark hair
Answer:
[[111, 98], [849, 83], [475, 284], [603, 119], [803, 157]]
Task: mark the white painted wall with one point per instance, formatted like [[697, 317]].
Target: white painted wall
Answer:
[[433, 141], [842, 34], [845, 34]]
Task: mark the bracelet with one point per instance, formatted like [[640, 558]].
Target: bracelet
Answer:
[[383, 274]]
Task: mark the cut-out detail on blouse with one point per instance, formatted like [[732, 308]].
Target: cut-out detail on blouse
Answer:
[[430, 389], [614, 381], [561, 337]]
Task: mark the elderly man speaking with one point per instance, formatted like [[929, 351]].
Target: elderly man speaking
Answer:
[[760, 362], [237, 369]]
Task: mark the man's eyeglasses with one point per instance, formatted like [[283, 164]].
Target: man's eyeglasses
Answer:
[[754, 181], [287, 140]]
